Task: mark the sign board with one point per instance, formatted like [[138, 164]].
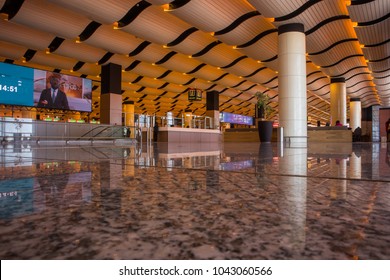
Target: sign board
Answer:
[[194, 94]]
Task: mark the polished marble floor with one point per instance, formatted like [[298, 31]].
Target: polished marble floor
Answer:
[[195, 201]]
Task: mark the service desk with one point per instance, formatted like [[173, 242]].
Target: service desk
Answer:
[[179, 134], [338, 134]]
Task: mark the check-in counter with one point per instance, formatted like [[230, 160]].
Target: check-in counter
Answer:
[[246, 135], [327, 134], [179, 134]]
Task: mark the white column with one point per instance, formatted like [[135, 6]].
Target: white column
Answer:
[[338, 101], [355, 113], [128, 109], [292, 82]]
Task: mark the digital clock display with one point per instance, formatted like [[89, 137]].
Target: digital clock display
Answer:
[[16, 85], [10, 88]]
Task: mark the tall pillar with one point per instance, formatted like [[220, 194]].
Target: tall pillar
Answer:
[[111, 94], [338, 101], [355, 113], [128, 110], [212, 107], [292, 82]]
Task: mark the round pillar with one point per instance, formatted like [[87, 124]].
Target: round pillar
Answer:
[[355, 113], [338, 101], [128, 111], [292, 82]]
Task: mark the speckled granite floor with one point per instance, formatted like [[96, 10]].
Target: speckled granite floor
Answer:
[[228, 201]]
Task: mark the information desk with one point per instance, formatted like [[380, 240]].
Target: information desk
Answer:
[[179, 134], [314, 134], [338, 134]]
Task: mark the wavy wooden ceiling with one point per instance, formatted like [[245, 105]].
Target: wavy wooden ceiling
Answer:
[[166, 47]]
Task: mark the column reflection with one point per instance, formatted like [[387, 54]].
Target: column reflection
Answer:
[[294, 193]]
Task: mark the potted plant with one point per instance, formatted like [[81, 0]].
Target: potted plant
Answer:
[[264, 111]]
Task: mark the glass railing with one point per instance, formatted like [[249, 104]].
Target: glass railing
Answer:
[[23, 129]]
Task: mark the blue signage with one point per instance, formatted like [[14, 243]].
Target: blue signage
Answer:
[[16, 85], [236, 119]]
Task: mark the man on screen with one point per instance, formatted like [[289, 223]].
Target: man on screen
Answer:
[[53, 97]]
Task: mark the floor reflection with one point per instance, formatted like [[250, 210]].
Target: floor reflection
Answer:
[[195, 201]]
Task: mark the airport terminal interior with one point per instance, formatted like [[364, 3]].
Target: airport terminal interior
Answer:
[[156, 151]]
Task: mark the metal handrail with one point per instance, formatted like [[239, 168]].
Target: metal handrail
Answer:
[[26, 129]]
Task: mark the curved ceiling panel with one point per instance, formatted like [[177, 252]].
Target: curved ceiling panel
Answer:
[[115, 41], [103, 11], [160, 2], [21, 35], [12, 51], [329, 34], [157, 26], [242, 33], [51, 18], [374, 34], [276, 8], [337, 53], [211, 16], [370, 11]]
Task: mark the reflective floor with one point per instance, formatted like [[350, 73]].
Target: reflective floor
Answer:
[[195, 201]]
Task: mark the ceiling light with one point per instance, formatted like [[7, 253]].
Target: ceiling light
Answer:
[[47, 51], [4, 16], [116, 25]]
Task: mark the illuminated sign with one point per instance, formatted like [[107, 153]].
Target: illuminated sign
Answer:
[[236, 119], [194, 94]]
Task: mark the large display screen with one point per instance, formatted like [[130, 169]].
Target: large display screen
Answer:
[[234, 118], [32, 87], [16, 85]]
